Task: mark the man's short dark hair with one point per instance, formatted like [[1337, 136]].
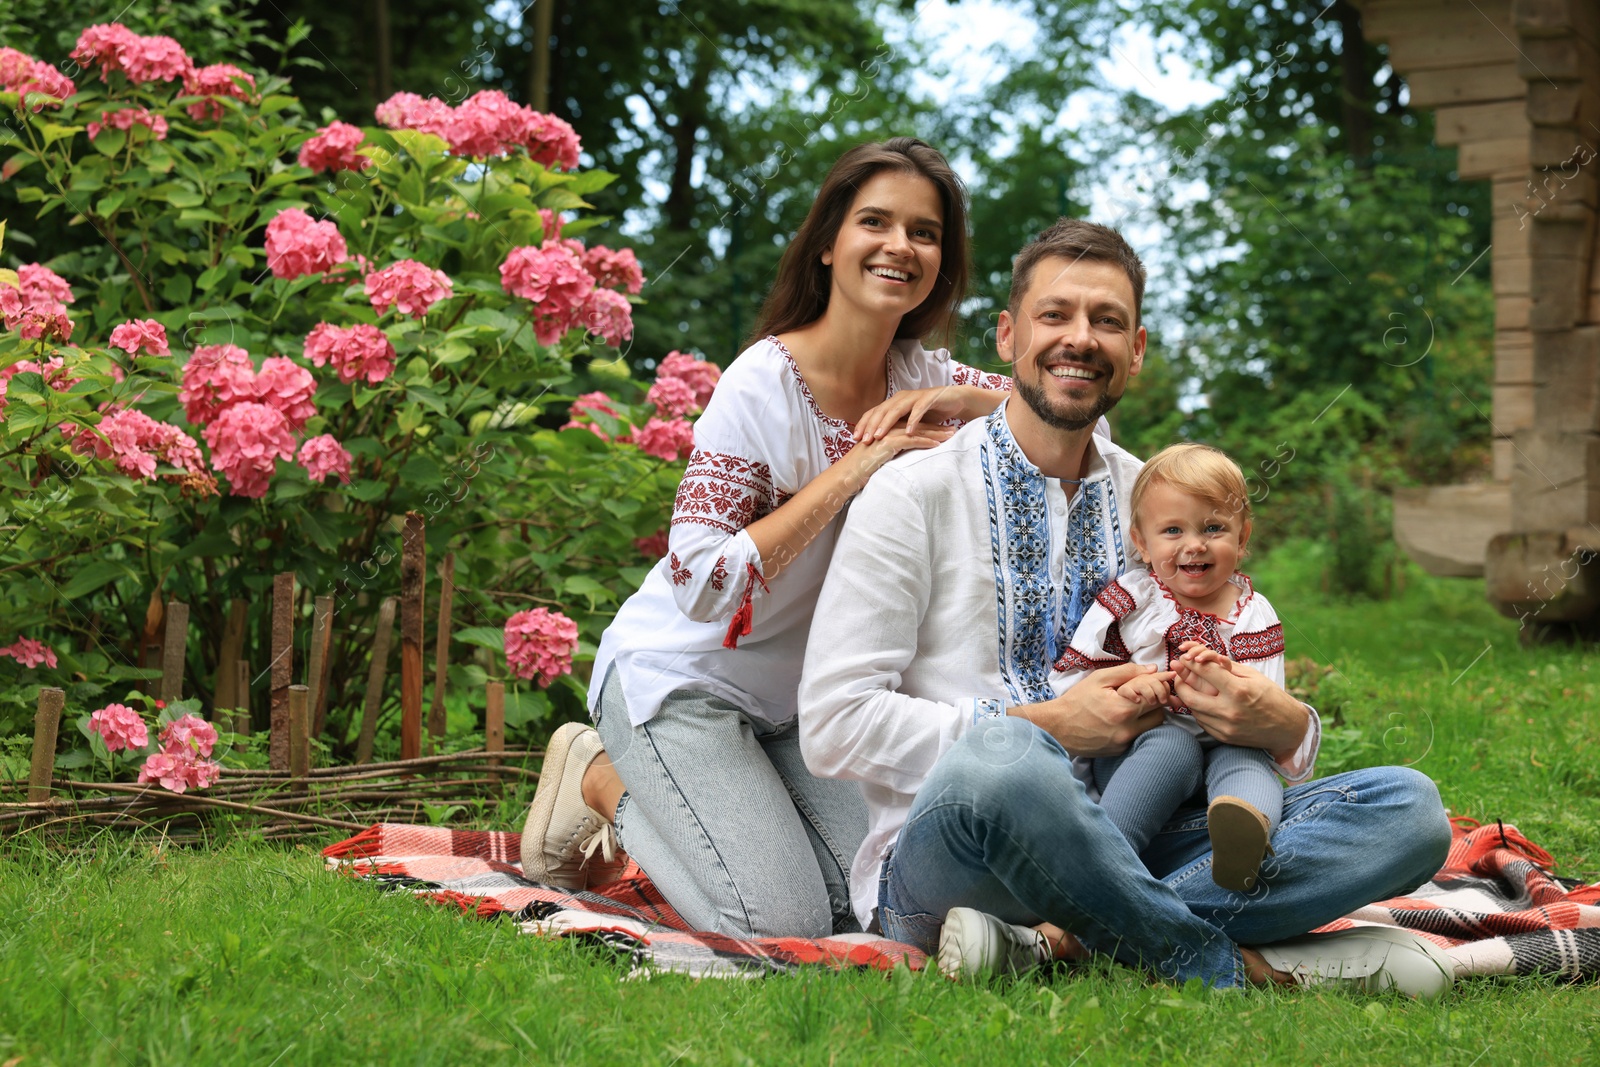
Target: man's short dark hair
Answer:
[[1074, 239]]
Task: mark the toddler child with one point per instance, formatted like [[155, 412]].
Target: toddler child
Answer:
[[1190, 521]]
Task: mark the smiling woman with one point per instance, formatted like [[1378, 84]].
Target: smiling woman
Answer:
[[696, 767]]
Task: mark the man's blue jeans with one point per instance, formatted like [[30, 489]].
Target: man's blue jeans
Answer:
[[1003, 826]]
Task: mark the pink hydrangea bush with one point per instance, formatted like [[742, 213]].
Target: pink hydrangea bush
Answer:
[[116, 49], [126, 119], [30, 653], [673, 398], [698, 374], [322, 456], [486, 124], [36, 307], [120, 727], [540, 644], [614, 270], [357, 352], [606, 315], [135, 442], [584, 407], [147, 334], [246, 441], [410, 287], [217, 82], [40, 84], [334, 148], [215, 377], [298, 245], [669, 439]]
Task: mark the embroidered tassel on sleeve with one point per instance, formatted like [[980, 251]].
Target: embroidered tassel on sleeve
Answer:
[[740, 626]]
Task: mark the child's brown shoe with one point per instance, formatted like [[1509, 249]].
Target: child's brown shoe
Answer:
[[1239, 842]]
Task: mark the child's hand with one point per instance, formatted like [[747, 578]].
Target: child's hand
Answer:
[[1147, 690], [1196, 653]]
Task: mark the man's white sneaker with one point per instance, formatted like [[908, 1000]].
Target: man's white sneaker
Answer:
[[973, 943], [562, 832], [1373, 959]]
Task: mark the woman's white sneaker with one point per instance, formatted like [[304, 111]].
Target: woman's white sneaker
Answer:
[[562, 832]]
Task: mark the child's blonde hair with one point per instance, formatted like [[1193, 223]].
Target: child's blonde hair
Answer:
[[1198, 470]]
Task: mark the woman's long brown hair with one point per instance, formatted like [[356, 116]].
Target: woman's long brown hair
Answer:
[[799, 296]]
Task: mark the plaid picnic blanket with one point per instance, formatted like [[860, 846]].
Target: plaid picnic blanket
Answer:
[[481, 872], [1494, 906]]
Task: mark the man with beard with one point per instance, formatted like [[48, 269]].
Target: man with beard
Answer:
[[958, 580]]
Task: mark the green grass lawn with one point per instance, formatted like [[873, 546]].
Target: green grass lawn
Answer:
[[131, 952]]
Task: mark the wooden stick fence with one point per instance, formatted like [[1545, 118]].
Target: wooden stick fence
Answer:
[[291, 796]]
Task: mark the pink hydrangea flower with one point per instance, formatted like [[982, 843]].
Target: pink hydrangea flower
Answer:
[[665, 440], [333, 148], [322, 456], [135, 442], [120, 727], [698, 373], [298, 245], [653, 547], [586, 404], [202, 773], [147, 334], [53, 371], [114, 47], [34, 318], [614, 270], [35, 79], [540, 644], [168, 770], [552, 142], [176, 447], [39, 283], [188, 734], [216, 82], [127, 118], [4, 386], [411, 288], [408, 111], [488, 123], [356, 352], [673, 398], [551, 275], [30, 653], [607, 315], [215, 377], [246, 441], [287, 386]]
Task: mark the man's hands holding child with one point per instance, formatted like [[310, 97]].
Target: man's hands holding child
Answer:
[[1237, 704], [1148, 690], [1094, 718]]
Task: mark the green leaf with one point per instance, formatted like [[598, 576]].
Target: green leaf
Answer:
[[578, 585], [590, 181], [53, 133], [184, 198], [91, 578], [109, 142], [209, 279], [200, 214], [524, 706], [482, 636], [109, 204]]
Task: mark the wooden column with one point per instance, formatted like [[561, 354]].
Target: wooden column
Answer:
[[174, 646], [241, 700], [229, 652], [441, 646], [46, 722], [282, 668], [375, 676], [413, 574], [299, 732], [494, 720], [317, 672]]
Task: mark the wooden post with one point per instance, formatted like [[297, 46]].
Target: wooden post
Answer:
[[282, 668], [241, 689], [317, 673], [375, 676], [441, 645], [494, 721], [45, 723], [228, 653], [299, 734], [150, 640], [175, 646], [413, 574]]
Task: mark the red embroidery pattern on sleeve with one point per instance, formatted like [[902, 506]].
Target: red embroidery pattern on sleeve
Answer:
[[719, 572], [1116, 600], [961, 374], [1262, 644], [723, 491], [680, 573], [1073, 660], [1115, 645]]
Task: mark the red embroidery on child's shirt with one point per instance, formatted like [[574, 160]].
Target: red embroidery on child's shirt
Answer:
[[719, 572], [680, 573], [1193, 625], [1262, 644], [1116, 600]]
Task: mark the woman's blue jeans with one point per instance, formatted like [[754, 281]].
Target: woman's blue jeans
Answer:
[[1003, 826]]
